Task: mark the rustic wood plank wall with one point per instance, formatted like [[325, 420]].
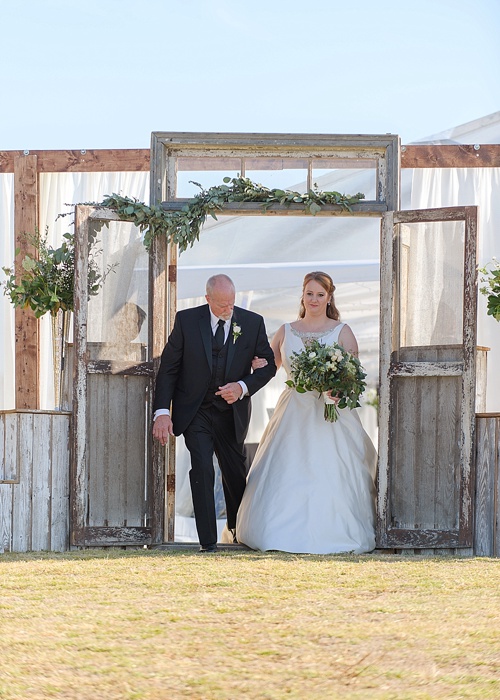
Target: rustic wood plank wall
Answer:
[[117, 450], [425, 486], [425, 493], [34, 481]]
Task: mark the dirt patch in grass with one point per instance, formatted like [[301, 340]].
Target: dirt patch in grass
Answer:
[[151, 625]]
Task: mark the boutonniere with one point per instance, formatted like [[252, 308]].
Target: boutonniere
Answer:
[[236, 332]]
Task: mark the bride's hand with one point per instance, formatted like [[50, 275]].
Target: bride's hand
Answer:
[[334, 398], [258, 363]]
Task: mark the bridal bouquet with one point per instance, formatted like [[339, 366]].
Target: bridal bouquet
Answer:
[[328, 367]]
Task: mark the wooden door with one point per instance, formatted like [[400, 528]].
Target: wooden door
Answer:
[[116, 498], [427, 378]]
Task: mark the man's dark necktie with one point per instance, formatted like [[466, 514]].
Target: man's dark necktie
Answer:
[[219, 333]]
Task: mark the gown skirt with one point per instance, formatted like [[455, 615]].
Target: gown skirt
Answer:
[[311, 487]]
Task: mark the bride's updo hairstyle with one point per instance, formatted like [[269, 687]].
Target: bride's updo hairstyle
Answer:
[[327, 283]]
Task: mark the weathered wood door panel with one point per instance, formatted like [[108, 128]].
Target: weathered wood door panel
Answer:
[[427, 378], [114, 494]]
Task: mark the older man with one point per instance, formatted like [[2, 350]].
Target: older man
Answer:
[[206, 377]]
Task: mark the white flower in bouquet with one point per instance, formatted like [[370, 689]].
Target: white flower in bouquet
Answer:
[[328, 368]]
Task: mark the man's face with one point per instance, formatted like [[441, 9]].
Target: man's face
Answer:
[[221, 301]]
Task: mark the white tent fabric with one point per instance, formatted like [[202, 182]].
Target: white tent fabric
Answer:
[[267, 257], [482, 130]]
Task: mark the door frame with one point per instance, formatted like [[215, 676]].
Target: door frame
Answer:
[[205, 148], [81, 534], [388, 537]]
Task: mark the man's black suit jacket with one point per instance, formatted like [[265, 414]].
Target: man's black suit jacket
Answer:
[[186, 365]]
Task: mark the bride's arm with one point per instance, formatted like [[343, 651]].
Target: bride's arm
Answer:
[[348, 340], [276, 344]]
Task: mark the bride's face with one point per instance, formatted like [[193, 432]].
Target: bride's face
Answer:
[[315, 298]]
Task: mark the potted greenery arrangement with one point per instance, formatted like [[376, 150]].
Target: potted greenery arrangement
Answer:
[[45, 284]]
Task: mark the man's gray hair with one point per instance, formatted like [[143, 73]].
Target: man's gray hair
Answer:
[[215, 280]]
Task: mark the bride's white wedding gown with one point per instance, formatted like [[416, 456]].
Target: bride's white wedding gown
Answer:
[[311, 485]]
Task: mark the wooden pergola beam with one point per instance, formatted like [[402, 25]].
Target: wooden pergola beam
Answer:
[[137, 159], [95, 161], [451, 156]]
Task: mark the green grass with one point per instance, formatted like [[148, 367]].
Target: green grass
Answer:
[[156, 625]]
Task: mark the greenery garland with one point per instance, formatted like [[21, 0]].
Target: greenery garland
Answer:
[[491, 290], [45, 282], [184, 227]]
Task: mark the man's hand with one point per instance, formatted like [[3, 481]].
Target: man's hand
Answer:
[[162, 428], [230, 392]]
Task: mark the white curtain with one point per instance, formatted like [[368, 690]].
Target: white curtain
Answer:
[[59, 192], [444, 187]]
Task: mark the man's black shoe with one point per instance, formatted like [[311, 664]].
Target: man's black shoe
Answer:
[[207, 548]]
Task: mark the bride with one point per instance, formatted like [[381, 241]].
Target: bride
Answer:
[[311, 485]]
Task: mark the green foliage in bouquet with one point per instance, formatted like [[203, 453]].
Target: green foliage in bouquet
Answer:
[[45, 283], [491, 288], [328, 368], [184, 227]]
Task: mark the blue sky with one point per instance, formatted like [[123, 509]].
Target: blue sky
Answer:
[[106, 73]]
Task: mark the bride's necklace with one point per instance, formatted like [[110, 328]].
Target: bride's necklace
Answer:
[[311, 335]]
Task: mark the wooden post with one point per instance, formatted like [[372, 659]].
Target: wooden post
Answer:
[[487, 492], [27, 327]]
